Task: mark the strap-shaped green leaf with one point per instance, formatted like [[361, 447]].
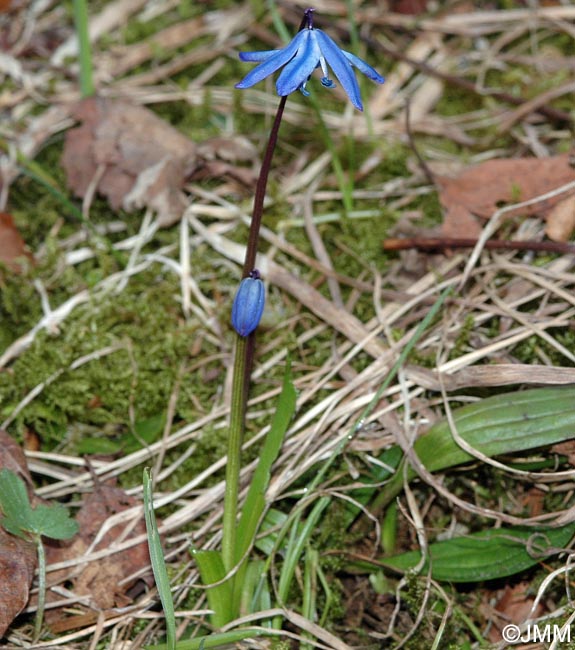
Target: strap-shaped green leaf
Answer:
[[213, 572], [158, 562], [487, 555], [255, 499], [504, 424]]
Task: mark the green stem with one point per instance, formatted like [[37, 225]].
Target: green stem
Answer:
[[41, 588], [84, 49], [233, 465]]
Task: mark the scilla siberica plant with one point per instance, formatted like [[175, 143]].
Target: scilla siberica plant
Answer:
[[231, 579], [235, 584], [311, 48]]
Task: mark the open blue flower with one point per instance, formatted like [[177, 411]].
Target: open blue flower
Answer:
[[309, 49]]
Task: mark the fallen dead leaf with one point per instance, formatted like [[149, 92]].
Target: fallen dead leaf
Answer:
[[5, 5], [12, 457], [566, 448], [134, 157], [477, 192], [561, 220], [17, 556], [136, 160], [17, 565], [513, 606], [107, 580], [12, 246]]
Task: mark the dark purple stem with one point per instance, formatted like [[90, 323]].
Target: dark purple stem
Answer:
[[257, 213], [253, 239]]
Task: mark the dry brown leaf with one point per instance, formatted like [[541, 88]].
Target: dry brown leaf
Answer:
[[12, 246], [478, 191], [135, 158], [514, 606], [566, 448], [12, 457], [17, 556], [561, 220], [105, 580], [17, 565]]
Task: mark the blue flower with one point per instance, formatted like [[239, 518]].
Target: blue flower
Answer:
[[309, 49], [248, 304]]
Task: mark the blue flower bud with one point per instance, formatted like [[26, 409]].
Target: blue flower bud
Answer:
[[248, 304]]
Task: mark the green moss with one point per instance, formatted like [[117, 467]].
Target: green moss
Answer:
[[20, 306], [461, 344], [456, 101], [144, 322], [534, 348]]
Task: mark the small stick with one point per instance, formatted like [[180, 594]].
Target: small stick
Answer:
[[444, 243]]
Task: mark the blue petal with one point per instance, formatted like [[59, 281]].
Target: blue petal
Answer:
[[248, 305], [259, 56], [298, 70], [271, 64], [340, 66], [363, 67]]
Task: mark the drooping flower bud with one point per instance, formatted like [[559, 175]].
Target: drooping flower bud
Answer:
[[248, 304]]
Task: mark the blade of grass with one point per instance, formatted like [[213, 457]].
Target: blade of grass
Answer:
[[255, 591], [406, 351], [309, 604], [84, 49], [31, 169], [158, 562], [299, 533]]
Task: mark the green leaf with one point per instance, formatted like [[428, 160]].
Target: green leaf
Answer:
[[15, 504], [145, 432], [255, 589], [273, 521], [158, 562], [503, 424], [212, 571], [487, 555], [51, 520], [220, 640], [255, 500], [87, 446]]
